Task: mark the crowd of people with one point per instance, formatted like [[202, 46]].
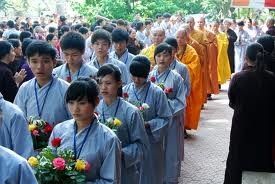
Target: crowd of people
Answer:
[[76, 76]]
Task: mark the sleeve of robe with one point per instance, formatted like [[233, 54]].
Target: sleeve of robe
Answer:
[[137, 149], [19, 99], [187, 81], [232, 92], [25, 174], [10, 88], [110, 169], [232, 36], [158, 125], [178, 103], [19, 130]]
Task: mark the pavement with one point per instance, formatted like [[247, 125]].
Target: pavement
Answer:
[[206, 149]]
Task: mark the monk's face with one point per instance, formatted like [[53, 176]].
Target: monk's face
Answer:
[[181, 38], [158, 36], [191, 23], [215, 27], [201, 23]]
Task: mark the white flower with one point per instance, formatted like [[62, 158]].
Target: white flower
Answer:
[[145, 106], [110, 120]]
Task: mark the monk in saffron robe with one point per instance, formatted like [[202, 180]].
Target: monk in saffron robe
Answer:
[[223, 62], [158, 35], [202, 40], [188, 56], [212, 56]]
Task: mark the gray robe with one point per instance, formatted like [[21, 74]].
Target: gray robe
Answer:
[[157, 116], [14, 169], [55, 109], [84, 71], [240, 49], [132, 135], [177, 103], [126, 58], [14, 128], [125, 75], [101, 149]]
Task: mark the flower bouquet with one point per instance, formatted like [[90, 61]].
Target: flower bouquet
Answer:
[[58, 166], [162, 86], [40, 131], [112, 123]]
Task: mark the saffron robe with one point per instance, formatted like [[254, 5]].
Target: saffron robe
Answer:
[[149, 53]]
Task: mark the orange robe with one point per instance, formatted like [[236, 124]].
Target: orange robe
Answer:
[[212, 58], [192, 114], [200, 38], [149, 52]]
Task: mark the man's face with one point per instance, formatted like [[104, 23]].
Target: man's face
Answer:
[[120, 47], [101, 47], [191, 23], [158, 36]]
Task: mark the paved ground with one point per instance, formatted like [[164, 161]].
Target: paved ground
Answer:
[[207, 148]]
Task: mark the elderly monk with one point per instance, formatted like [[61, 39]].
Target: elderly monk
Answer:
[[212, 57], [202, 40], [158, 35], [188, 55]]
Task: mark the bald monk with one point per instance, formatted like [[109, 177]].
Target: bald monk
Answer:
[[212, 57], [198, 47], [188, 56], [200, 37], [158, 35]]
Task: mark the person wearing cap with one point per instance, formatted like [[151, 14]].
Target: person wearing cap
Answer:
[[240, 46], [173, 85], [156, 117]]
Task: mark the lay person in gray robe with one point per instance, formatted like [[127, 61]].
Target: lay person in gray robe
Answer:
[[156, 118], [43, 96], [131, 132], [14, 127], [176, 94], [14, 168], [101, 43], [73, 48], [90, 140]]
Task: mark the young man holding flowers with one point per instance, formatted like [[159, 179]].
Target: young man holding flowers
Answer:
[[154, 106], [43, 96], [96, 148], [173, 86]]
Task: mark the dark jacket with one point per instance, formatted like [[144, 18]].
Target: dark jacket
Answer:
[[252, 96], [8, 87]]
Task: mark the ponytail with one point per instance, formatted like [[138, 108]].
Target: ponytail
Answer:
[[260, 67]]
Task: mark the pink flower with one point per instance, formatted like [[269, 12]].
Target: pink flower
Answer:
[[87, 167], [59, 164], [141, 108], [35, 133], [168, 90], [153, 79], [68, 79]]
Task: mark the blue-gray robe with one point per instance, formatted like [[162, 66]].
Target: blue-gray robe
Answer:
[[55, 109], [101, 150], [84, 71], [132, 135], [126, 58], [14, 128], [240, 49], [157, 116], [14, 169], [125, 75], [177, 103]]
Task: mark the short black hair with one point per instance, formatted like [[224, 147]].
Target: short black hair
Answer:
[[172, 42], [267, 42], [140, 66], [15, 42], [50, 37], [73, 40], [119, 35], [25, 44], [114, 71], [120, 22], [163, 47], [166, 15], [101, 34], [11, 24], [158, 15], [83, 30], [52, 29], [13, 36], [24, 34], [5, 48], [41, 48], [77, 26], [81, 88], [147, 22], [139, 25]]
